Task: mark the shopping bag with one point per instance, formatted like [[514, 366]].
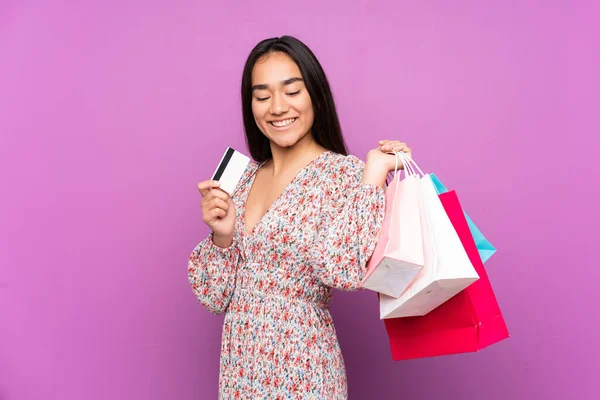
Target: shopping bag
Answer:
[[398, 255], [469, 321], [447, 269], [485, 248]]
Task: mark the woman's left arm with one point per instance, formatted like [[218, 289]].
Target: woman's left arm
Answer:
[[352, 218]]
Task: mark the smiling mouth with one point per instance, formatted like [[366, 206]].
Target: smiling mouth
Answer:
[[284, 123]]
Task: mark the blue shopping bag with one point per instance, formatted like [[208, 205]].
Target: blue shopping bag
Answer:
[[485, 248]]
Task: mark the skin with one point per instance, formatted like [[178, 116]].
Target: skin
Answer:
[[280, 95]]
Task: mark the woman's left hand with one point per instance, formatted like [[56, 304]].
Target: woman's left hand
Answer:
[[383, 157], [381, 160]]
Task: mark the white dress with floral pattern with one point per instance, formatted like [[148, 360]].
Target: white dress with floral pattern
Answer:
[[274, 285]]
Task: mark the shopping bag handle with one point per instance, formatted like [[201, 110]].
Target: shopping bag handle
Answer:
[[408, 169], [410, 166], [408, 162]]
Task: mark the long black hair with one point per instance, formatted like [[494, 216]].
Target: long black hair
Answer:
[[326, 128]]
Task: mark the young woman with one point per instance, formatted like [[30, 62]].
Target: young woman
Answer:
[[304, 219]]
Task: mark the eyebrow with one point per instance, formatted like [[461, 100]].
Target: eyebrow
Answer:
[[264, 86]]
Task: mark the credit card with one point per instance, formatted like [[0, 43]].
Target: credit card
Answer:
[[230, 169]]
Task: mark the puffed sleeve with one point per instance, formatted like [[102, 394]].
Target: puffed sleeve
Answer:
[[351, 219], [212, 271]]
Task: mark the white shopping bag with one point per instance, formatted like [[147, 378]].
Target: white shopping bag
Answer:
[[447, 269]]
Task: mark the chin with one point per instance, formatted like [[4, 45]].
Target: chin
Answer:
[[283, 141], [285, 144]]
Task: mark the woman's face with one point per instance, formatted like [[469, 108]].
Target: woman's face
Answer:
[[281, 105]]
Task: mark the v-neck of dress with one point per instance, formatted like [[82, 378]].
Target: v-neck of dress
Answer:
[[274, 204]]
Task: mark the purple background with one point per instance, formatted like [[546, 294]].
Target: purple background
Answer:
[[111, 112]]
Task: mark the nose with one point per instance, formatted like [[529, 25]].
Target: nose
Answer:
[[279, 105]]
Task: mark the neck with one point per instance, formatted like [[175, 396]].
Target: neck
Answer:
[[295, 157]]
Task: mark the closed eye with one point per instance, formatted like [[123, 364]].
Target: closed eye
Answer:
[[267, 98]]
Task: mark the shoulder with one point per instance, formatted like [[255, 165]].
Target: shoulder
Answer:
[[344, 170], [346, 164], [251, 168]]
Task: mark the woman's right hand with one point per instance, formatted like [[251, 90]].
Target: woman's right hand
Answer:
[[218, 212]]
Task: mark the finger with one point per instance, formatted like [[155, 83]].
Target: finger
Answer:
[[212, 203], [214, 215], [391, 144], [397, 146], [206, 186], [217, 193], [211, 200], [218, 203], [387, 145], [384, 141], [217, 213], [400, 147]]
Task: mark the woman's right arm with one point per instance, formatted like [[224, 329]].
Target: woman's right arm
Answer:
[[212, 267]]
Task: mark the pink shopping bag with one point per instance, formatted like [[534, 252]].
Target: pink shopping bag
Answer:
[[398, 255]]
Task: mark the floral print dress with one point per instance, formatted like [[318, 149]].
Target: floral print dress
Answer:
[[274, 284]]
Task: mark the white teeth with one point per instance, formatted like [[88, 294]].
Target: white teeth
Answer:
[[281, 124]]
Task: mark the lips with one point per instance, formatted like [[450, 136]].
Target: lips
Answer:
[[283, 123]]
